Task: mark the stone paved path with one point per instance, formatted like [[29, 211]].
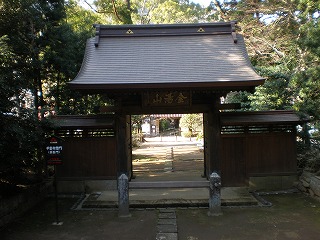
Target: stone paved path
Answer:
[[167, 228]]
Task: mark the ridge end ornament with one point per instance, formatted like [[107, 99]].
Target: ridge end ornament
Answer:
[[129, 31], [201, 30]]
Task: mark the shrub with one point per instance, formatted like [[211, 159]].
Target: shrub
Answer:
[[308, 157]]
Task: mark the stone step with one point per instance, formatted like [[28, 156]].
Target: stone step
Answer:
[[169, 184]]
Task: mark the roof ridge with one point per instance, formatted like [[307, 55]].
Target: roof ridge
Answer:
[[150, 30]]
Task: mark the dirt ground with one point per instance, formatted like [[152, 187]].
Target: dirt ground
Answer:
[[292, 216], [154, 157]]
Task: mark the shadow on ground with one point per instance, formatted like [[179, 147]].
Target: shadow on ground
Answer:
[[168, 159], [292, 216]]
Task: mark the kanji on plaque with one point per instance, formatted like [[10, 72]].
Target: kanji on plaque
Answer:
[[181, 98], [167, 98], [157, 99]]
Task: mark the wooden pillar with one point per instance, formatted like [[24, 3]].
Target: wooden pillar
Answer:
[[212, 141], [129, 146], [206, 145], [122, 153]]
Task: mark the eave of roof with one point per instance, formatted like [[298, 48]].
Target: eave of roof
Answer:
[[180, 85], [203, 56], [260, 118], [83, 121]]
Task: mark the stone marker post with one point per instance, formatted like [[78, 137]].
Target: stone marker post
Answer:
[[215, 195], [123, 196]]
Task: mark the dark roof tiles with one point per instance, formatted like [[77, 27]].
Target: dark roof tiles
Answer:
[[120, 62], [260, 117]]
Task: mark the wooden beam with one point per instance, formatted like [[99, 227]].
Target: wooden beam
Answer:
[[226, 106], [195, 108], [108, 109], [135, 110]]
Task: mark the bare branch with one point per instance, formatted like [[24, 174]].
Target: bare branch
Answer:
[[278, 52], [115, 11], [92, 8], [222, 13]]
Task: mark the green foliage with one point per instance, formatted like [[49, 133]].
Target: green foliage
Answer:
[[193, 122], [174, 11], [164, 125], [308, 157], [21, 132], [275, 94], [64, 60], [20, 136], [136, 129], [306, 80], [153, 11], [307, 96], [136, 121], [239, 97], [119, 11], [9, 82], [137, 138], [32, 45]]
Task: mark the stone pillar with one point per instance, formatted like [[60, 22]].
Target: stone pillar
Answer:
[[215, 195], [123, 196]]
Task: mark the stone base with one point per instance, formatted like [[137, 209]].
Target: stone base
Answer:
[[309, 183], [85, 186], [315, 185], [272, 183]]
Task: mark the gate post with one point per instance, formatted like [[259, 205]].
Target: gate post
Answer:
[[215, 195], [123, 196]]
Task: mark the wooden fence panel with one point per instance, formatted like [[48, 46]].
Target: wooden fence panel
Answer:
[[89, 158], [233, 166], [245, 155], [273, 153]]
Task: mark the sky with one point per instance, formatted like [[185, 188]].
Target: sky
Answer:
[[204, 3]]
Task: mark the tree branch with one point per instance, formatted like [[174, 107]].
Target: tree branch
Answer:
[[115, 11], [278, 52], [93, 9], [222, 13]]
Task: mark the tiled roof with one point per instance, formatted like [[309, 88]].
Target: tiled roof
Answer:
[[83, 121], [162, 59], [260, 117]]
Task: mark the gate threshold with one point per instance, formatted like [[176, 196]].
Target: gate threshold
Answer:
[[168, 184], [170, 197]]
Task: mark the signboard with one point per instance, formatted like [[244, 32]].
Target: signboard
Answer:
[[54, 148], [167, 98]]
